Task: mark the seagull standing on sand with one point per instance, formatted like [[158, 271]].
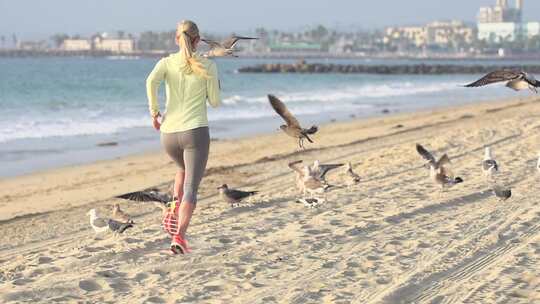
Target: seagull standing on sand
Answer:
[[119, 215], [292, 127], [101, 225], [439, 171], [515, 80], [232, 196], [502, 193], [489, 165], [225, 48]]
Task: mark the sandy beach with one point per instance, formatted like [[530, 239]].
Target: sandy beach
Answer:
[[390, 239]]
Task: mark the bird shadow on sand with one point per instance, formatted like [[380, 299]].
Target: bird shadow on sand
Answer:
[[280, 202], [458, 201]]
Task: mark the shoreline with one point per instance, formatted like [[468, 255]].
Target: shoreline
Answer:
[[223, 155]]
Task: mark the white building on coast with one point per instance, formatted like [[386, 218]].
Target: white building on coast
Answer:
[[502, 22], [100, 43]]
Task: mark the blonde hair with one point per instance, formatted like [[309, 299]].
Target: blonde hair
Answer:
[[186, 32]]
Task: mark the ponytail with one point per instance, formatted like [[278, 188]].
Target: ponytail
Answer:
[[186, 32]]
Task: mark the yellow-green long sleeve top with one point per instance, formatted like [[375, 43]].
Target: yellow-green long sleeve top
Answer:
[[186, 94]]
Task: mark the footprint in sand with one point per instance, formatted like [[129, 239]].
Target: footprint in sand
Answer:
[[154, 300], [424, 245], [132, 240], [329, 264], [225, 241], [268, 300], [110, 274], [42, 271], [44, 260], [94, 249], [141, 277], [84, 256], [21, 282], [89, 285]]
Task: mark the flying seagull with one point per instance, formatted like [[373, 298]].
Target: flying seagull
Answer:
[[224, 48], [232, 196], [439, 170], [119, 215], [292, 127], [352, 177], [502, 193], [101, 225], [489, 165], [515, 80]]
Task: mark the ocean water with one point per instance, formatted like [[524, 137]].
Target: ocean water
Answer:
[[56, 111]]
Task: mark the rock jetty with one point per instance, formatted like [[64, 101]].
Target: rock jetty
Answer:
[[410, 69]]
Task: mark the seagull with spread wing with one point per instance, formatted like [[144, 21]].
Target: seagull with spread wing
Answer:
[[309, 179], [292, 127], [515, 80], [160, 200], [101, 225], [439, 170], [489, 165], [224, 48], [320, 170]]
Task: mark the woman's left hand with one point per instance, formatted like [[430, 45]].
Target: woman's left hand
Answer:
[[155, 122]]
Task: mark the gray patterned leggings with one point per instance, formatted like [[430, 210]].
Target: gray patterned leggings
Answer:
[[189, 150]]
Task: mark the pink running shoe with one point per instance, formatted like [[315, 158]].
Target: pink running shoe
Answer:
[[179, 245]]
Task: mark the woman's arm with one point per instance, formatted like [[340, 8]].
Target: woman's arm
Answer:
[[152, 85], [212, 86]]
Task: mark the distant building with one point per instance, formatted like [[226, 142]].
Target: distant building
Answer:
[[31, 45], [99, 43], [444, 33], [531, 29], [415, 35], [76, 45], [501, 13], [502, 23], [113, 45], [499, 32], [438, 33]]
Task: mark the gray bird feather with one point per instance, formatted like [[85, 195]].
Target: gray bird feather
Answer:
[[117, 226], [502, 193], [146, 196], [504, 75], [282, 110]]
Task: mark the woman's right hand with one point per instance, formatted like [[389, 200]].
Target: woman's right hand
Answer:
[[155, 122]]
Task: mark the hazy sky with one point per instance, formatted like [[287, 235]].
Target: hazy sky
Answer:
[[41, 18]]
